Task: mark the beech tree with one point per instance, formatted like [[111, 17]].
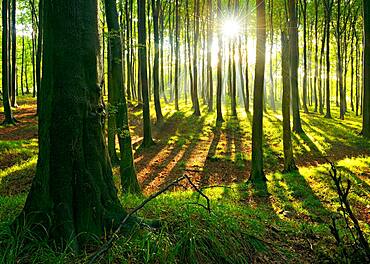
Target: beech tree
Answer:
[[289, 163], [257, 173], [129, 180], [72, 197], [366, 83], [293, 42], [9, 119], [143, 74]]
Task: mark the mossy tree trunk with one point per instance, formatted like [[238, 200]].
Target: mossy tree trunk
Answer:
[[289, 164], [9, 119], [143, 74], [219, 69], [257, 173], [72, 195], [294, 53], [366, 84], [195, 59], [157, 102], [129, 180]]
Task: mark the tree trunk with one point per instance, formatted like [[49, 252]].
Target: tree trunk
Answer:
[[128, 174], [209, 56], [257, 173], [157, 101], [72, 197], [177, 55], [39, 50], [219, 69], [293, 41], [14, 56], [195, 59], [22, 66], [272, 88], [366, 82], [147, 140], [289, 163], [328, 7], [9, 119]]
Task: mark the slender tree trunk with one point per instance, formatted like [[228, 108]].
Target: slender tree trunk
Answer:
[[272, 88], [9, 119], [316, 77], [177, 55], [129, 180], [257, 173], [293, 41], [289, 163], [157, 101], [209, 55], [39, 50], [340, 63], [305, 109], [219, 69], [147, 140], [195, 58], [14, 56], [22, 66], [328, 7]]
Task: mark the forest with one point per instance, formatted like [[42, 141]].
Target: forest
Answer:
[[185, 131]]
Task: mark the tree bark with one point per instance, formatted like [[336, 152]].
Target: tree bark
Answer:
[[129, 180], [219, 69], [147, 140], [289, 163], [72, 197], [293, 41], [157, 101], [9, 119], [366, 83], [257, 173]]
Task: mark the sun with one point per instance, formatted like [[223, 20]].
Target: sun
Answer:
[[231, 28]]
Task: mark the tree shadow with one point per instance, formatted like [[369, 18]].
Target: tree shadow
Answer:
[[302, 192]]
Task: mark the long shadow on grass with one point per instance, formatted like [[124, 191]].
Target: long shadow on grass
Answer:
[[222, 168], [193, 126], [169, 128], [302, 192]]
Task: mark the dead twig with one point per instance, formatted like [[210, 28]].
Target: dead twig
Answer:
[[107, 245]]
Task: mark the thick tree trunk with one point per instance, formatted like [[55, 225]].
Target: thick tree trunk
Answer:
[[289, 163], [257, 173], [305, 74], [72, 197], [366, 83]]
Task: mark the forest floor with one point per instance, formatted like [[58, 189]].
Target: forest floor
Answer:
[[288, 223]]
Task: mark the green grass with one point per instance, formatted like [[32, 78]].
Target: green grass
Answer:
[[288, 225]]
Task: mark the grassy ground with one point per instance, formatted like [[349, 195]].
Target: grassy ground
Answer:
[[289, 224]]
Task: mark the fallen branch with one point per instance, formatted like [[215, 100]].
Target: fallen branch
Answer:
[[346, 209], [106, 246]]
